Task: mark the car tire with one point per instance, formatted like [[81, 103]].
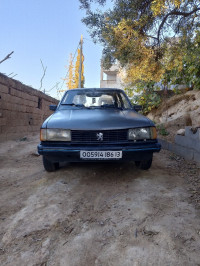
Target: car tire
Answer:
[[144, 165], [49, 166], [137, 163]]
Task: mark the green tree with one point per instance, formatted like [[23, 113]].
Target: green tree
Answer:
[[137, 34], [150, 19], [183, 62], [147, 97]]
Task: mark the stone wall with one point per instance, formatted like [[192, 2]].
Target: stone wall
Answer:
[[22, 109]]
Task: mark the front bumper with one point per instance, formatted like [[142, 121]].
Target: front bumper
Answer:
[[69, 153]]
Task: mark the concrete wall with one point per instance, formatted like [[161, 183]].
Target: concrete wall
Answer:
[[22, 109], [187, 146]]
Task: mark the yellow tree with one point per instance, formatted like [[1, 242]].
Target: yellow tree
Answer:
[[144, 63], [139, 34], [70, 75], [76, 72]]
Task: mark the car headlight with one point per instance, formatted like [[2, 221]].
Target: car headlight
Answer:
[[142, 133], [55, 134]]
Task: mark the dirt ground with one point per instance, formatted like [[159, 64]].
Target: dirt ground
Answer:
[[102, 214]]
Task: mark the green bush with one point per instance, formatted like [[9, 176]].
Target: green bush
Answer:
[[162, 130], [146, 96]]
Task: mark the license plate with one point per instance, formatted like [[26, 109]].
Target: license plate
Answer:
[[101, 155]]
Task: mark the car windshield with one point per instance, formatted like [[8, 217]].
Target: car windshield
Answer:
[[96, 99]]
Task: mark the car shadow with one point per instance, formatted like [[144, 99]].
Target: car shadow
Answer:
[[95, 171]]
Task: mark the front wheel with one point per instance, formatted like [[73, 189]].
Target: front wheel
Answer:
[[144, 165], [49, 166]]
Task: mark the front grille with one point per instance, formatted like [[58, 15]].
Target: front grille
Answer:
[[90, 137]]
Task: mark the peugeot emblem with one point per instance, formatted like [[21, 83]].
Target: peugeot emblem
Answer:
[[99, 136]]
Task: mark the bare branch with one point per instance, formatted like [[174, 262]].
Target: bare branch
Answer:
[[7, 57], [13, 76], [44, 72], [152, 37], [55, 86], [10, 74], [174, 13]]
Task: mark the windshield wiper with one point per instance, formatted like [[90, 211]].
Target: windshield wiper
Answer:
[[110, 106], [73, 104]]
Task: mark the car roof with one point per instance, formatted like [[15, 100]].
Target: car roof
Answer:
[[99, 89]]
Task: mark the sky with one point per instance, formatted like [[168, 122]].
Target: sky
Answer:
[[46, 30]]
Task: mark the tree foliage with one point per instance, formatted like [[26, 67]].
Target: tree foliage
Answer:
[[70, 75], [153, 39], [145, 96], [183, 62], [72, 80], [76, 73]]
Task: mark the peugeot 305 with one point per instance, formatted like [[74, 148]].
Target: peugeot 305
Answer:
[[97, 125]]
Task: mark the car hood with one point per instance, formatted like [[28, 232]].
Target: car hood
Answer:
[[96, 119]]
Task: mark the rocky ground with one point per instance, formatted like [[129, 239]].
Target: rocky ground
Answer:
[[97, 214], [176, 113]]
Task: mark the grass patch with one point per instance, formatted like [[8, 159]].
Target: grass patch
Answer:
[[162, 130]]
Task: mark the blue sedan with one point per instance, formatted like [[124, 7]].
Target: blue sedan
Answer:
[[97, 125]]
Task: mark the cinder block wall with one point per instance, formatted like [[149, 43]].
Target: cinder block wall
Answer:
[[22, 109]]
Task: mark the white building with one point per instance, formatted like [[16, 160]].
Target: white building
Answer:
[[111, 78]]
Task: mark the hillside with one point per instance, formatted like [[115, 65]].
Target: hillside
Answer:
[[177, 112]]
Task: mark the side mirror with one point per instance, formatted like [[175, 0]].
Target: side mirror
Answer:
[[52, 107], [137, 108]]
